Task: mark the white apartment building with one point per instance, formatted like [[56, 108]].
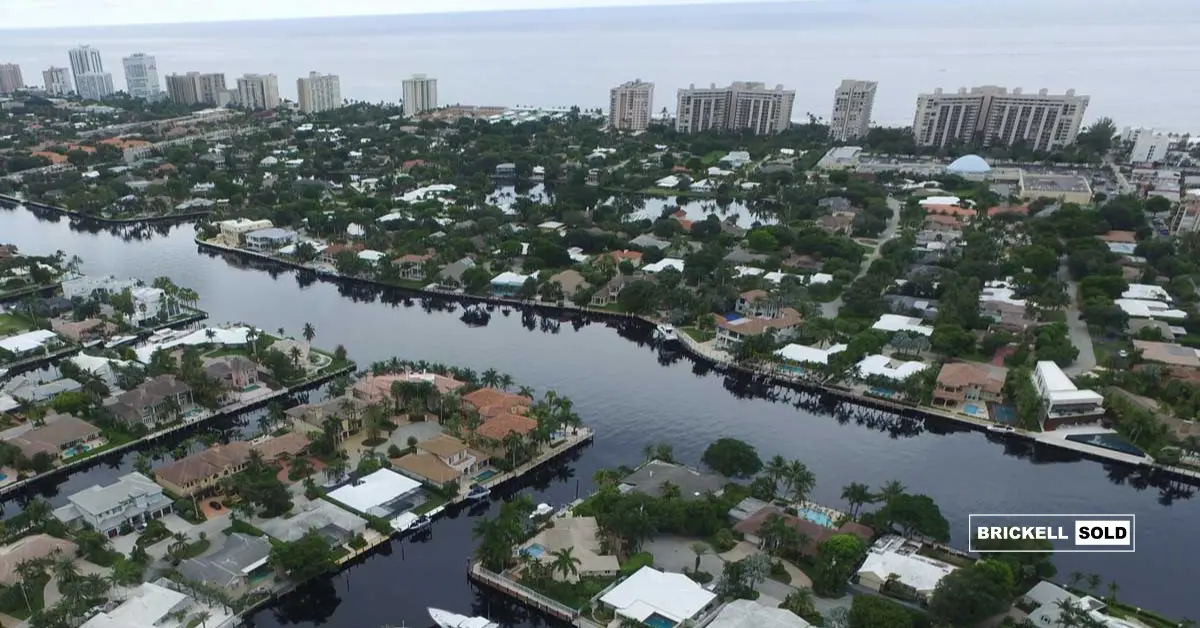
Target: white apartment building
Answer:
[[319, 92], [1150, 147], [141, 76], [420, 94], [1062, 401], [10, 78], [258, 91], [852, 104], [630, 105], [85, 60], [991, 115], [57, 81], [741, 105], [94, 85]]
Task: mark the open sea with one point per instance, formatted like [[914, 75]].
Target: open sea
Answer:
[[1139, 61]]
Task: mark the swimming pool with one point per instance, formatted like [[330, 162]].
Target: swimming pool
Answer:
[[1004, 414], [488, 474], [882, 392], [816, 516], [534, 551], [658, 621], [1115, 442]]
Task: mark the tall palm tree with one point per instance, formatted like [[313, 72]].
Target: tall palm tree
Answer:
[[891, 491], [776, 470], [490, 378], [252, 335], [65, 569], [294, 353], [856, 495], [309, 332], [800, 480], [506, 381], [699, 549], [565, 563]]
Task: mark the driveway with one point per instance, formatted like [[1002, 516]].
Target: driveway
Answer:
[[51, 595], [674, 553], [1077, 329], [830, 309]]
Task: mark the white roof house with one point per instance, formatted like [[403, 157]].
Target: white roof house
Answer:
[[27, 341], [370, 256], [941, 200], [894, 555], [884, 366], [375, 490], [669, 181], [663, 264], [1142, 308], [221, 336], [895, 322], [1146, 292], [1001, 291], [751, 614], [152, 605], [673, 596], [805, 353], [509, 278]]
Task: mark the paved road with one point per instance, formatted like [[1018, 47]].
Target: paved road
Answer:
[[830, 309], [1077, 329]]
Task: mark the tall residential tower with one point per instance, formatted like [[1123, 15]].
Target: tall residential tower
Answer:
[[741, 106], [630, 105], [258, 91], [319, 92], [10, 78], [141, 77], [992, 115], [420, 94], [852, 104], [91, 81], [57, 81]]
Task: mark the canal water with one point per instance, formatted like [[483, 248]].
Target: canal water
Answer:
[[631, 395]]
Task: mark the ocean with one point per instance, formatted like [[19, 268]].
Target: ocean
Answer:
[[1137, 60]]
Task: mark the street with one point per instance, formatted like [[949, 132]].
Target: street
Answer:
[[830, 309]]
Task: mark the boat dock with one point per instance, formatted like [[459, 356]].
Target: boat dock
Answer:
[[481, 576]]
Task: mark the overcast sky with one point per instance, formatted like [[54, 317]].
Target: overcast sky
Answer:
[[68, 13]]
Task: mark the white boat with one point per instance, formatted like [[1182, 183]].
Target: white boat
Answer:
[[541, 511], [409, 522], [1003, 429], [665, 332], [477, 492], [446, 619]]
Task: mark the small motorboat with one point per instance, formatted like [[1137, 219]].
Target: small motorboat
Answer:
[[1002, 429], [446, 619], [665, 332], [541, 511], [478, 492]]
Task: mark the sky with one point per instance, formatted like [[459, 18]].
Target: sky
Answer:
[[23, 14]]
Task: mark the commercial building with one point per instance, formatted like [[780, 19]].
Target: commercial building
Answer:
[[1062, 402], [57, 81], [992, 115], [630, 105], [87, 68], [420, 94], [141, 77], [10, 78], [852, 105], [1063, 188], [319, 92], [258, 91], [741, 105], [1150, 147]]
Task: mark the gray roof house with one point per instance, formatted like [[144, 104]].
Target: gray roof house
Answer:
[[915, 306], [836, 204], [650, 478], [230, 566], [742, 256], [132, 499], [455, 270], [147, 402], [330, 521], [646, 241]]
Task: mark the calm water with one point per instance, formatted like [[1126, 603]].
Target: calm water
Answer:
[[630, 395], [1137, 60]]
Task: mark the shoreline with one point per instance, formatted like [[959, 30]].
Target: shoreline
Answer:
[[696, 353], [63, 211]]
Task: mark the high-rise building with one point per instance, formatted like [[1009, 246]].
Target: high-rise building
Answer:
[[741, 106], [258, 91], [57, 81], [319, 92], [852, 104], [630, 105], [10, 78], [87, 68], [184, 88], [94, 85], [211, 89], [991, 115], [141, 76], [420, 94], [1150, 147]]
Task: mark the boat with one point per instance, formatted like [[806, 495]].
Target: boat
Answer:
[[446, 619], [409, 522], [478, 492], [541, 511], [1002, 429], [665, 332]]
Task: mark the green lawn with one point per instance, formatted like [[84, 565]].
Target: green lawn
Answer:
[[434, 500], [11, 324], [699, 335]]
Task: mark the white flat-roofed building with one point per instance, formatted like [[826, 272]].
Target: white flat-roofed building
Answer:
[[1065, 188], [751, 614], [1144, 308], [1147, 292], [152, 605], [883, 366], [804, 354], [649, 592], [1150, 147], [27, 342], [243, 225], [371, 493], [896, 322], [271, 239], [1063, 401], [840, 158], [663, 264], [86, 285], [897, 556], [852, 105]]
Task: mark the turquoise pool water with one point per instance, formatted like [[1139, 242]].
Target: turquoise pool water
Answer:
[[972, 409], [534, 551], [816, 517], [1004, 414], [490, 473], [3, 477], [1115, 442], [74, 451], [658, 621], [882, 392]]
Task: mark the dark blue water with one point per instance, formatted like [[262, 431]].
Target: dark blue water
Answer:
[[632, 396]]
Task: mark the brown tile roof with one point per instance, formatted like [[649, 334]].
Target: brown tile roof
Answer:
[[54, 158], [443, 445], [379, 387], [754, 325], [489, 402], [291, 443], [635, 257], [1168, 353], [413, 258], [204, 464], [428, 466], [958, 374], [30, 548], [570, 280], [815, 532], [942, 220], [1119, 236], [54, 434], [152, 392], [751, 295], [499, 426]]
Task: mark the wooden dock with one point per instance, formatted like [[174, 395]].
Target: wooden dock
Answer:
[[482, 576]]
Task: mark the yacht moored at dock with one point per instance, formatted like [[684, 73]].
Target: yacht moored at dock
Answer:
[[446, 619]]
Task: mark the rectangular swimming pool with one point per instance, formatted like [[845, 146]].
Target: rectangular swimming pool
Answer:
[[1114, 442], [816, 516], [658, 621], [488, 474], [534, 551]]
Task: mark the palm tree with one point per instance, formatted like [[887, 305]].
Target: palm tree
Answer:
[[294, 353], [309, 332], [890, 491], [800, 480], [776, 470], [252, 335], [210, 333], [1093, 581], [490, 378], [506, 381], [37, 512], [1074, 578], [525, 391], [565, 563], [699, 549], [1113, 587], [65, 569], [856, 495]]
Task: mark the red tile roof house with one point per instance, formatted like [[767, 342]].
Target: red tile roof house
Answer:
[[412, 266], [962, 382], [502, 413], [378, 388], [633, 257], [731, 331], [815, 532], [329, 255]]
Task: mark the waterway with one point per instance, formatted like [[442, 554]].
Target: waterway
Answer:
[[631, 395]]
